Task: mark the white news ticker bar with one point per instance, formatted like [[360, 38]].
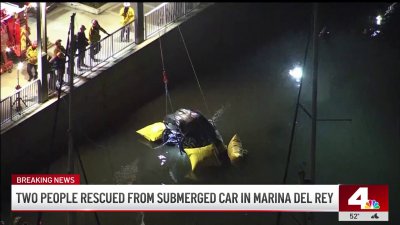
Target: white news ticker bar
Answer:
[[364, 216], [308, 190]]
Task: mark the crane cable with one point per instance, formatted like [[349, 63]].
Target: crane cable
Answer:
[[165, 80], [194, 71]]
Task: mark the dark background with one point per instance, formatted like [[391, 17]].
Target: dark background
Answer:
[[242, 53]]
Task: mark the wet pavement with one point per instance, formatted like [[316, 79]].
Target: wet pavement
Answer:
[[358, 80]]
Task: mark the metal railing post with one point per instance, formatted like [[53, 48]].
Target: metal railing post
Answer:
[[40, 66], [145, 27], [112, 44], [139, 24], [72, 218], [43, 87], [165, 15], [11, 112], [90, 57]]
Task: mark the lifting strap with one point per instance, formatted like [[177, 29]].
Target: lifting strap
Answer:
[[194, 72], [165, 80], [165, 76]]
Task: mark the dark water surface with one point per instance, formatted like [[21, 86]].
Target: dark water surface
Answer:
[[358, 80]]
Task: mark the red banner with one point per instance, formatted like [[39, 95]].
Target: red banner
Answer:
[[61, 179]]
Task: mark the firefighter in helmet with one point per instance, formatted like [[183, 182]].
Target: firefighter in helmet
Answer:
[[127, 16]]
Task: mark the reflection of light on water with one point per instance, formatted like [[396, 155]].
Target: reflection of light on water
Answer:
[[140, 218], [162, 159], [175, 162], [172, 175], [128, 173], [390, 9], [375, 33], [296, 73], [218, 114], [378, 20]]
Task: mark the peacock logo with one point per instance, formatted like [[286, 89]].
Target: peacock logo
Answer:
[[372, 204]]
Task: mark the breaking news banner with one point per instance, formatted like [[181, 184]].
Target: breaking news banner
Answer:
[[63, 193]]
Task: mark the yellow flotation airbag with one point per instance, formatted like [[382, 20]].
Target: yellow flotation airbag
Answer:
[[202, 156], [152, 132], [235, 150]]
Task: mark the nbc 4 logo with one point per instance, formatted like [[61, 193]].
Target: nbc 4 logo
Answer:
[[360, 197]]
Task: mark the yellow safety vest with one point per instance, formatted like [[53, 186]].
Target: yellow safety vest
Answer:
[[31, 55], [129, 17]]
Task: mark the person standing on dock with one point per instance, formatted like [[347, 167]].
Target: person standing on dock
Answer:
[[94, 38], [128, 15], [82, 43]]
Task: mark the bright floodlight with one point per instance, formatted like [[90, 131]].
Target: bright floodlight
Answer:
[[33, 4], [379, 20], [43, 6], [296, 73], [20, 65]]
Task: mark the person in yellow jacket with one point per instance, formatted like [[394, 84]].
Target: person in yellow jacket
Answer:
[[31, 56], [94, 38], [128, 15]]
